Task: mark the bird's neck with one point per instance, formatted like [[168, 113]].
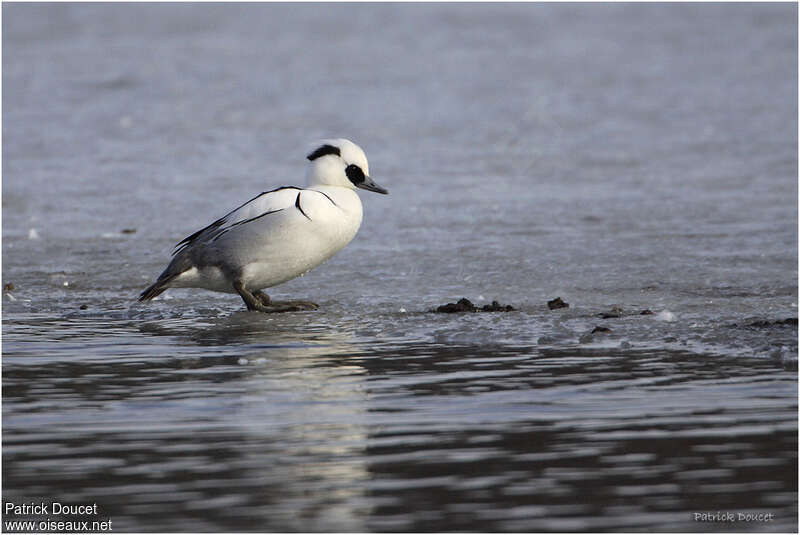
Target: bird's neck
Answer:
[[345, 198]]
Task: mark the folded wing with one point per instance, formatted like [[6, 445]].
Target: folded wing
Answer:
[[268, 202]]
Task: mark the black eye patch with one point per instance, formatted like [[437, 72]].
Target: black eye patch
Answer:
[[324, 150], [355, 174]]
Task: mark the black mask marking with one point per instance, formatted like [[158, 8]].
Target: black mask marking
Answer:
[[324, 150], [355, 174]]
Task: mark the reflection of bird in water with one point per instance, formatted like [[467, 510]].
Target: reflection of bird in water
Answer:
[[278, 235]]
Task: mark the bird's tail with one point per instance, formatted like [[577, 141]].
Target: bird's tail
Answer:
[[155, 289], [179, 264]]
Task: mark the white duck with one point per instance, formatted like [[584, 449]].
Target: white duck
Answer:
[[278, 235]]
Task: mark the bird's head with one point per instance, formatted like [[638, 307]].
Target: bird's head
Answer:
[[340, 162]]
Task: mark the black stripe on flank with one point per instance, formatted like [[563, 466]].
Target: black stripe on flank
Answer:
[[297, 205], [324, 150]]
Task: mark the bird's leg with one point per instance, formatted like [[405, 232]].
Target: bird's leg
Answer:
[[261, 302], [249, 299]]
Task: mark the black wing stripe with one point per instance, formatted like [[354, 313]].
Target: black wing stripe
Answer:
[[254, 218], [297, 205], [222, 233], [326, 195], [260, 195], [189, 240]]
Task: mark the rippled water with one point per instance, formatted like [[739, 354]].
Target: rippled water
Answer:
[[635, 155]]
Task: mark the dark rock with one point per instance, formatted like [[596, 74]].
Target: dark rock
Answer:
[[83, 307], [128, 231], [766, 323], [497, 307], [600, 329], [556, 303], [646, 312], [615, 312], [8, 287], [463, 305]]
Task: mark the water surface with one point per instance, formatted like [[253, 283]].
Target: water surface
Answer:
[[643, 156]]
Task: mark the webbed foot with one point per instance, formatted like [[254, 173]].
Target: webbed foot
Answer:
[[261, 302], [262, 298], [296, 305]]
